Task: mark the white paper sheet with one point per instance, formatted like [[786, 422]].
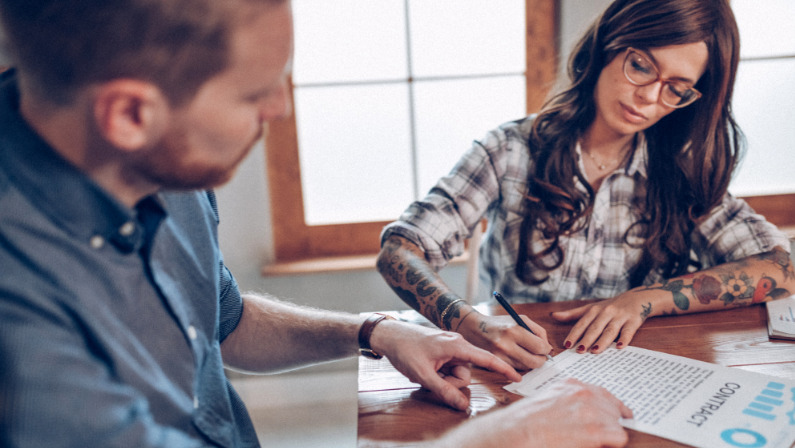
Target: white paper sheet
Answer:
[[691, 402]]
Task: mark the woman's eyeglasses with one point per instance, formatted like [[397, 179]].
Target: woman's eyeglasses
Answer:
[[640, 71]]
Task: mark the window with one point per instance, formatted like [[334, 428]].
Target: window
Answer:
[[394, 93], [377, 68], [764, 106]]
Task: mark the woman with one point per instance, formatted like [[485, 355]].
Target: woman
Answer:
[[616, 190]]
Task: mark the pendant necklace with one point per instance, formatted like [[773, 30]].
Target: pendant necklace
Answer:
[[601, 166]]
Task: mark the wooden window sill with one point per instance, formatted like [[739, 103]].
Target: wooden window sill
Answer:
[[322, 265]]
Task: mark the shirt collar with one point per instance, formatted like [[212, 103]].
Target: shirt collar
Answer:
[[639, 158], [64, 194]]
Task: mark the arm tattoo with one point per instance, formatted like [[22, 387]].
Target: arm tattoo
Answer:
[[646, 311], [730, 285], [389, 264], [442, 302], [781, 259], [674, 287], [424, 288], [407, 296]]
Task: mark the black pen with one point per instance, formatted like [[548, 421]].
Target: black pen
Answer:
[[513, 314]]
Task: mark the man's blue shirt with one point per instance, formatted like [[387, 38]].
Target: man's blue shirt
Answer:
[[111, 319]]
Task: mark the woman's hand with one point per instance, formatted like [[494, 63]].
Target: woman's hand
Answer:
[[510, 342], [601, 323]]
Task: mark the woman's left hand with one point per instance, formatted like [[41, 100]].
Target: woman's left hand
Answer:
[[600, 323]]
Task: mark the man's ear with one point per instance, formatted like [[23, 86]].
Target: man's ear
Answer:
[[130, 114]]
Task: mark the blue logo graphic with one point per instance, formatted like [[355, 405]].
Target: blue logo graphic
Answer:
[[748, 438], [764, 403]]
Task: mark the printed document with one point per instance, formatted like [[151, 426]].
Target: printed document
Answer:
[[681, 399], [781, 318]]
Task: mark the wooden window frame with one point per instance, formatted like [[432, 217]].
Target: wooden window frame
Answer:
[[294, 240]]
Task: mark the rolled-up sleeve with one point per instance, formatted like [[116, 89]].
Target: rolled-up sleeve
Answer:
[[230, 304], [734, 231], [445, 218]]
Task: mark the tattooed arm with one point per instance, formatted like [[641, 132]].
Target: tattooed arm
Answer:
[[404, 267], [754, 279]]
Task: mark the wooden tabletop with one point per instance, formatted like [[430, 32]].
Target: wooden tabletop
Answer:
[[395, 412]]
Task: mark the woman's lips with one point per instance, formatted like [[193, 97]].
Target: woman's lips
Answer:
[[632, 115]]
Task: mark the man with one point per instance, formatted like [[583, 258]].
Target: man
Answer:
[[117, 313]]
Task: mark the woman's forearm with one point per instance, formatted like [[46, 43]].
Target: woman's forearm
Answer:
[[755, 279], [403, 266]]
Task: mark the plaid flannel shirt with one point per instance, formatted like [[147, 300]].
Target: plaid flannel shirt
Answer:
[[490, 181]]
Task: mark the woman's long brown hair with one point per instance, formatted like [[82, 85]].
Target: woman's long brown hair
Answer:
[[692, 152]]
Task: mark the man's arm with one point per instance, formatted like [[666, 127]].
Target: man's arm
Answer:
[[403, 266], [274, 336]]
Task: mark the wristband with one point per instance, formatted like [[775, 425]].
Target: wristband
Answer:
[[364, 335]]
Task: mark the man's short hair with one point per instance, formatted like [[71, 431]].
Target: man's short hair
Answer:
[[60, 46]]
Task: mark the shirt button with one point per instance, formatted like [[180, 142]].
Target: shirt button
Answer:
[[96, 242], [192, 332], [127, 229]]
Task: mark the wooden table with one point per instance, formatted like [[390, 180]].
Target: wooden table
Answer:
[[395, 412]]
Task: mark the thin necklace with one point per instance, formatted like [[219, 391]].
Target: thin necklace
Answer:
[[601, 166]]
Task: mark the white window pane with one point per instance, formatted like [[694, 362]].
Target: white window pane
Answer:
[[349, 40], [451, 114], [766, 27], [355, 152], [459, 37], [764, 106]]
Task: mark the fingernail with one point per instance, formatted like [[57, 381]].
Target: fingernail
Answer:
[[619, 344], [567, 344], [594, 348], [581, 348]]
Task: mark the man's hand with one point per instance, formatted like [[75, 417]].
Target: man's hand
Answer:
[[438, 360], [568, 414]]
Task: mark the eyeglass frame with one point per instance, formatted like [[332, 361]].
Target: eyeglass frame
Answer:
[[664, 81]]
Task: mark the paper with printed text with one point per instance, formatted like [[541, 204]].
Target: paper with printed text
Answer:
[[681, 399]]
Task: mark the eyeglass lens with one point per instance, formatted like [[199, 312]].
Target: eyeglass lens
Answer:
[[640, 71]]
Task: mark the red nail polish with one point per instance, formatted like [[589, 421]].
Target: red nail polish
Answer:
[[619, 344], [567, 344], [594, 348], [581, 348]]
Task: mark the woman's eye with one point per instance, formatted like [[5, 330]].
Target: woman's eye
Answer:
[[641, 67], [680, 91]]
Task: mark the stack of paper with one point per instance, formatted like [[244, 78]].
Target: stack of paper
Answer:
[[781, 318]]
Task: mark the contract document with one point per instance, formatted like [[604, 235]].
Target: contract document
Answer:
[[681, 399]]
